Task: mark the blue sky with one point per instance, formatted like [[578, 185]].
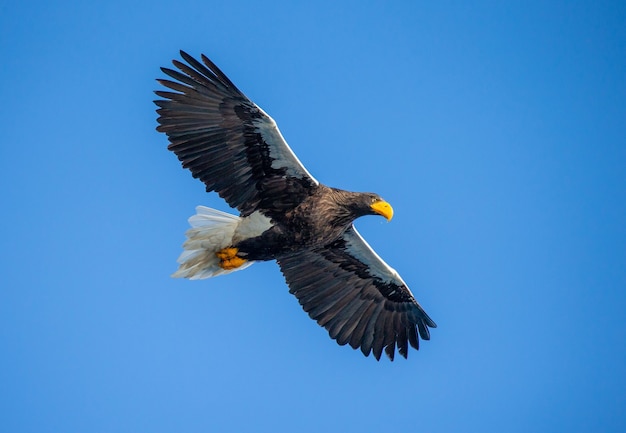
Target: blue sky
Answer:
[[497, 131]]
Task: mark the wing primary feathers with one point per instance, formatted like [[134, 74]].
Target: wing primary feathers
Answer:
[[412, 334], [218, 72], [368, 334], [353, 314], [197, 77], [329, 305], [357, 335], [379, 336], [337, 309], [327, 294], [194, 81], [208, 73], [390, 351], [390, 336], [181, 98], [423, 329], [212, 72], [402, 340], [317, 309]]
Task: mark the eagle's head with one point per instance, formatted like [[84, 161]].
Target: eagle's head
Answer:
[[350, 205], [368, 203], [378, 206]]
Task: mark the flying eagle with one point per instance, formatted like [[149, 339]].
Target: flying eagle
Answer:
[[236, 149]]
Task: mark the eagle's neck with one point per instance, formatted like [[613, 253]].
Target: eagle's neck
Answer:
[[343, 207]]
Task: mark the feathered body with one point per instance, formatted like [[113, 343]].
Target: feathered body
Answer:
[[318, 221]]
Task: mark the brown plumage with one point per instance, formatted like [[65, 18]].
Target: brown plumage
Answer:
[[286, 215]]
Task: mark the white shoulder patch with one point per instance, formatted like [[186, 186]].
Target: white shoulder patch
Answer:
[[360, 249], [279, 149]]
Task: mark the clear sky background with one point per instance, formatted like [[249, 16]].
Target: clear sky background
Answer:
[[497, 131]]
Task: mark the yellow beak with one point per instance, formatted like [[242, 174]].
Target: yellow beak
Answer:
[[383, 208]]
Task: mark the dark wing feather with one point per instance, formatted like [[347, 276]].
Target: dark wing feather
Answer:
[[228, 142], [360, 300]]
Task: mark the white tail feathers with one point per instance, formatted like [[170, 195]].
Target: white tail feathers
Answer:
[[211, 230]]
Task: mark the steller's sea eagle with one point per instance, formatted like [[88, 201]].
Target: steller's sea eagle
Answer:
[[236, 149]]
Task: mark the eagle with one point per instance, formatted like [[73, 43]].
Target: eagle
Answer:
[[285, 214]]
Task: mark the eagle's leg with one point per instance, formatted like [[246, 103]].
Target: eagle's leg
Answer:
[[229, 259]]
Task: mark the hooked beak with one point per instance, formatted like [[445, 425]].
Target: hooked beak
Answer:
[[383, 208]]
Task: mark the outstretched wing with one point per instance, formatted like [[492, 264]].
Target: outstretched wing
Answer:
[[349, 290], [228, 142]]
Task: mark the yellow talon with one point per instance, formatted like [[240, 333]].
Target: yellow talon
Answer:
[[228, 258], [227, 253], [233, 263]]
